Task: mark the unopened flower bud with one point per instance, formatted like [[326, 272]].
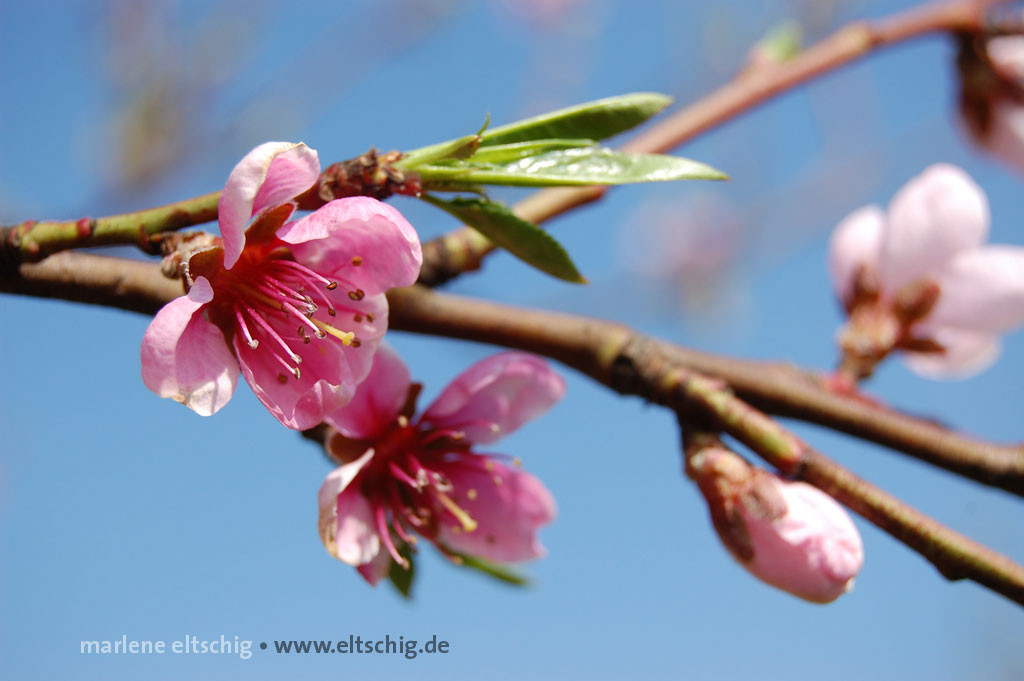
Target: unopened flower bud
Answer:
[[788, 534]]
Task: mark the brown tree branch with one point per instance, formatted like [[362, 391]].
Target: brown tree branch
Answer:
[[611, 354], [134, 285], [632, 364], [777, 389], [785, 390], [774, 388]]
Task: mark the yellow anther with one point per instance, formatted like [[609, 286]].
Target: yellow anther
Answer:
[[468, 524], [344, 336]]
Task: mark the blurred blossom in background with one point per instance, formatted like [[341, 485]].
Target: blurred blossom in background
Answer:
[[684, 256]]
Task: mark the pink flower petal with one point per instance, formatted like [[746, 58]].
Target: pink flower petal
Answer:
[[329, 371], [1007, 54], [377, 569], [378, 399], [269, 175], [982, 289], [496, 395], [855, 242], [967, 354], [360, 230], [356, 541], [813, 551], [185, 357], [1005, 135], [936, 215], [507, 513], [338, 480], [346, 525]]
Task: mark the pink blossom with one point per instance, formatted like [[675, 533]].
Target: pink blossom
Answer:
[[919, 278], [787, 534], [404, 475], [298, 307]]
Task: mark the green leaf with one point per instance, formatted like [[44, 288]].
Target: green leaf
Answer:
[[463, 147], [505, 153], [523, 239], [571, 167], [502, 573], [593, 120], [401, 578]]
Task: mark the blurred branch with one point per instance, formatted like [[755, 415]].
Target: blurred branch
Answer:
[[169, 75], [631, 364], [463, 249]]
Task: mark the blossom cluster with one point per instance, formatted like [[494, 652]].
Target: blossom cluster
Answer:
[[299, 308]]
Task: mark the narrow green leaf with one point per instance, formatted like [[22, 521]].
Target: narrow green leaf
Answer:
[[571, 167], [506, 153], [463, 147], [401, 578], [502, 573], [593, 120], [523, 239]]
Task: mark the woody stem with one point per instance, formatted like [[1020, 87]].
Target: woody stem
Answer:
[[705, 389]]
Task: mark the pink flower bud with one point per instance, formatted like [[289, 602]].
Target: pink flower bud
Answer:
[[788, 534]]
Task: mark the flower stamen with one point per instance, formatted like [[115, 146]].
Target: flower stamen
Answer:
[[346, 337], [253, 343], [468, 524], [385, 536], [397, 471], [304, 272], [258, 318]]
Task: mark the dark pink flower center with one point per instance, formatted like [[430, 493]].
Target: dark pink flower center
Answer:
[[407, 488], [260, 296]]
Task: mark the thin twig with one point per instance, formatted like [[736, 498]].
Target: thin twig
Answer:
[[33, 240]]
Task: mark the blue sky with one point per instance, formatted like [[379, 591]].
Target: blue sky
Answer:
[[121, 513]]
